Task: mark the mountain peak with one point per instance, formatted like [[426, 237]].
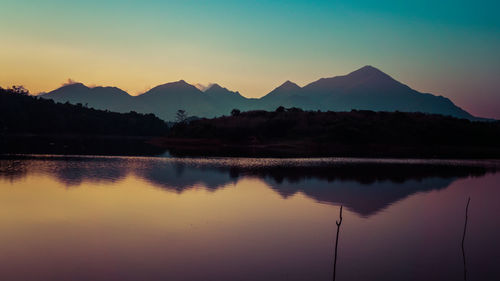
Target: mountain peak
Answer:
[[214, 86], [368, 71], [216, 89], [74, 86], [177, 84], [369, 68], [288, 85], [286, 89], [203, 87]]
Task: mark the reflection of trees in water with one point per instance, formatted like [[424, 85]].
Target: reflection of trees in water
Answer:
[[71, 171], [362, 187], [13, 170], [73, 175]]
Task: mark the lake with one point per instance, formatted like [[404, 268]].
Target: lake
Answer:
[[147, 218]]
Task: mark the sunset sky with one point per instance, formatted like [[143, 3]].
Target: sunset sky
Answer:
[[449, 48]]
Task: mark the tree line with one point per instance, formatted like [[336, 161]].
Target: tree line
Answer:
[[354, 127], [22, 113]]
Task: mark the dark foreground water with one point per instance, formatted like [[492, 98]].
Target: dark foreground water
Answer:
[[109, 218]]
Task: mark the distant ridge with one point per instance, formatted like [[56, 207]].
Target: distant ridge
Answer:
[[367, 88], [110, 98]]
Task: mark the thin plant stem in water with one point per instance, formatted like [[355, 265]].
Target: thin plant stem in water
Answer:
[[338, 223], [463, 237]]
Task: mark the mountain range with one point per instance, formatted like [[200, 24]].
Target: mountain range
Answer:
[[367, 88]]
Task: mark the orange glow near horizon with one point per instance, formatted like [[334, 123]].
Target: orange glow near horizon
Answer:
[[251, 47]]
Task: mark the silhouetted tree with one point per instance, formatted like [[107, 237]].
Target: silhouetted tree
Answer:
[[294, 109], [181, 116], [22, 113], [346, 132], [20, 90], [235, 112], [280, 109]]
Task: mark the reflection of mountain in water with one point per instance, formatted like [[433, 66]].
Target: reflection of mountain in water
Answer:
[[365, 188], [364, 199], [180, 176]]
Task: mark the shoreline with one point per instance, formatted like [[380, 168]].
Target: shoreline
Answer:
[[74, 144], [114, 145], [183, 147]]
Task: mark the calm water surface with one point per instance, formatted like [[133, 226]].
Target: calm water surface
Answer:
[[111, 218]]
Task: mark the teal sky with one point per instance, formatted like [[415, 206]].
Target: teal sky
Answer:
[[450, 48]]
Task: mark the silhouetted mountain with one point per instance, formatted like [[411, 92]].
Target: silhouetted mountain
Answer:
[[166, 99], [288, 94], [364, 89], [225, 100], [215, 91], [110, 98], [285, 89]]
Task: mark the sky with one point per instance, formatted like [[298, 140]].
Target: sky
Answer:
[[449, 48]]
